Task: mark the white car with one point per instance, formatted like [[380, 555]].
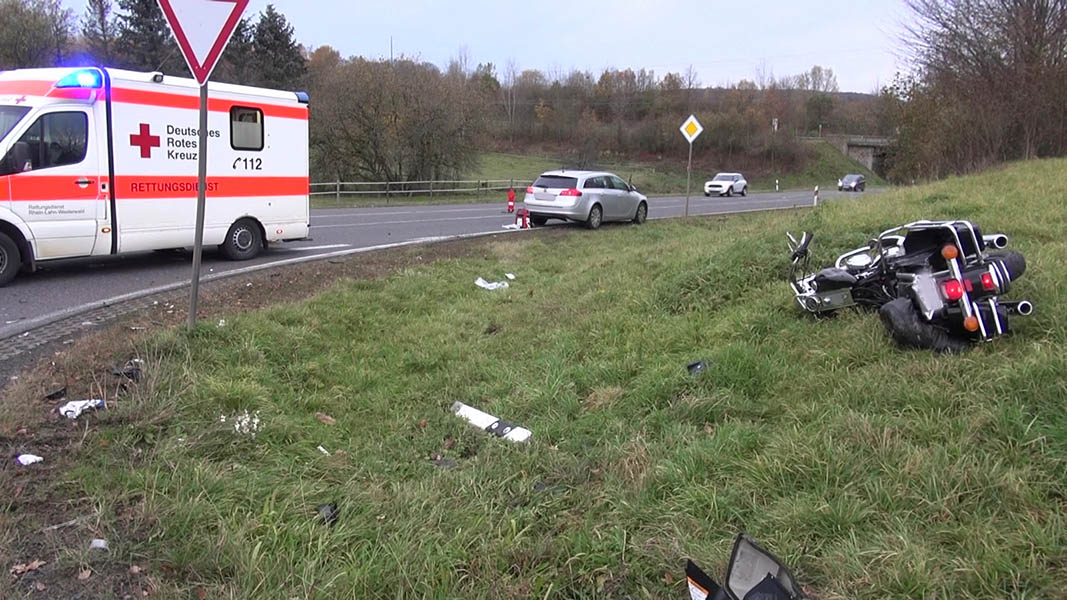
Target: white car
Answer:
[[726, 184]]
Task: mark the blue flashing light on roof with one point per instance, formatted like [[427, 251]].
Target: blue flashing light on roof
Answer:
[[302, 97], [82, 78]]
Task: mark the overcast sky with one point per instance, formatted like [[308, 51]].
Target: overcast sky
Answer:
[[724, 41]]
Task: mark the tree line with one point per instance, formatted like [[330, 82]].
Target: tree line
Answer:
[[988, 83], [133, 34]]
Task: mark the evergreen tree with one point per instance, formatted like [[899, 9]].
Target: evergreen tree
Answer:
[[145, 40], [33, 33], [236, 64], [99, 30], [279, 62]]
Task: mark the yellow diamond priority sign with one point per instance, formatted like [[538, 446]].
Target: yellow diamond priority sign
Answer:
[[692, 129]]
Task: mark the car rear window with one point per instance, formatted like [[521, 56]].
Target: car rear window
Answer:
[[556, 181]]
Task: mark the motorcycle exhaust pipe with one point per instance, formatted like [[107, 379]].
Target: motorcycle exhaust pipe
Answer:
[[997, 240], [1022, 308]]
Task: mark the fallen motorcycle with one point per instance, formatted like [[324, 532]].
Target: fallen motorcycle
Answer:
[[936, 284]]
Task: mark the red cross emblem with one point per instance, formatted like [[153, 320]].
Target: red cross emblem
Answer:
[[145, 140], [20, 99]]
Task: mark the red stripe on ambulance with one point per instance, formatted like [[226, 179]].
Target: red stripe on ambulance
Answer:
[[129, 187]]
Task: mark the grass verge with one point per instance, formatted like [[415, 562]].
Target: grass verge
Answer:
[[874, 472]]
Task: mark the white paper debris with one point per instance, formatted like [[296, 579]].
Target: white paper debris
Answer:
[[74, 409], [98, 544], [246, 423], [512, 226], [222, 323], [324, 451], [510, 276], [28, 459], [496, 285], [491, 424]]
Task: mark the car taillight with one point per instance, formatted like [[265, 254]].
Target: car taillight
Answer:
[[529, 189], [987, 282], [574, 192], [952, 289]]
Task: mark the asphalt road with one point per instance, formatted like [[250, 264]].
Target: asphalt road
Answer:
[[66, 287]]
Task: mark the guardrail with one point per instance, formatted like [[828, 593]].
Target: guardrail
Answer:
[[389, 189]]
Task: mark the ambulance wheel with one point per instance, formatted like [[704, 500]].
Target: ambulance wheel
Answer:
[[244, 240], [10, 259]]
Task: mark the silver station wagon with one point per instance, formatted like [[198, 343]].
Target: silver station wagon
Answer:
[[590, 197]]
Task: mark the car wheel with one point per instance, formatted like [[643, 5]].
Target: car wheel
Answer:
[[642, 213], [10, 259], [730, 191], [243, 241], [863, 188], [707, 194], [538, 220], [744, 191], [596, 216]]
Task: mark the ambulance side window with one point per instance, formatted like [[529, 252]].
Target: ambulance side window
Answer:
[[57, 139], [246, 128]]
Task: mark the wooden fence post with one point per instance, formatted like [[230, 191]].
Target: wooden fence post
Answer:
[[337, 185]]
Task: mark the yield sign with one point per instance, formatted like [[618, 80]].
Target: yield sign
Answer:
[[202, 28], [691, 128]]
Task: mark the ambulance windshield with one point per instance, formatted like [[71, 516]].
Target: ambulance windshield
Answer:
[[9, 117]]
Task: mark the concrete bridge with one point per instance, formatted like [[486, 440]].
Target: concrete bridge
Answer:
[[864, 149]]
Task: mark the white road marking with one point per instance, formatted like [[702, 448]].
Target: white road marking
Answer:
[[310, 248], [314, 227]]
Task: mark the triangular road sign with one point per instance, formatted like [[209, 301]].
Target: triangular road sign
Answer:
[[202, 28]]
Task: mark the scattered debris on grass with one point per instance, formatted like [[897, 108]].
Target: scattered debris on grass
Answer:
[[98, 544], [496, 285], [244, 423], [752, 573], [132, 370], [444, 462], [491, 424], [697, 368], [74, 409], [325, 418], [329, 513], [28, 459], [510, 276], [222, 323], [323, 450], [57, 395], [23, 568]]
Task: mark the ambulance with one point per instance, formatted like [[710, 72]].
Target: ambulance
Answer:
[[99, 161]]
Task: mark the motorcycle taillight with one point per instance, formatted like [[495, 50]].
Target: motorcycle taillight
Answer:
[[952, 289]]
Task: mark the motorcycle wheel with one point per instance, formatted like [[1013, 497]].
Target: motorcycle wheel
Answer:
[[909, 330]]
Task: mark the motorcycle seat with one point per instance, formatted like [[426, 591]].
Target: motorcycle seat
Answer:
[[833, 279]]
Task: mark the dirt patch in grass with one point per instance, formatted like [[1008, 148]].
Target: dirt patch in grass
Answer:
[[42, 496]]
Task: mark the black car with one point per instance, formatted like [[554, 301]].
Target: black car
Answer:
[[852, 183]]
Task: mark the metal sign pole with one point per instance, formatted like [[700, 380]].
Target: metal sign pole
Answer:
[[688, 177], [201, 200]]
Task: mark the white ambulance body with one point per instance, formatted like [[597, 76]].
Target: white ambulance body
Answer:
[[103, 161]]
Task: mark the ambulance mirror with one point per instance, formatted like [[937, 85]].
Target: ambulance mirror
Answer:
[[16, 159]]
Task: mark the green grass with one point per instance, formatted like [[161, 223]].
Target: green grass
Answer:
[[875, 472], [656, 179]]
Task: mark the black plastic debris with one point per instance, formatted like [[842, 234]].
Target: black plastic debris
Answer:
[[697, 368], [57, 395], [444, 462], [329, 513], [752, 573], [131, 372]]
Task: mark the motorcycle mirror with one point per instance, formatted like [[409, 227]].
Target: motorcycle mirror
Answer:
[[756, 573]]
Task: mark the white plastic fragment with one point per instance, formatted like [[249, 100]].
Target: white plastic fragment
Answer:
[[496, 285], [28, 459], [245, 423], [222, 323], [98, 544], [510, 276], [74, 408], [324, 450], [491, 424], [512, 226]]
